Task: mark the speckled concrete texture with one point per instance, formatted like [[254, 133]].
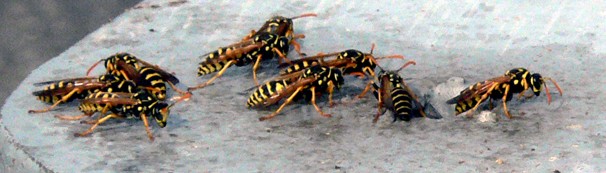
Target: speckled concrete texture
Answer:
[[455, 44]]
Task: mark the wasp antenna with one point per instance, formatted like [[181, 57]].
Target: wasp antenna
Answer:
[[181, 98], [392, 56], [556, 85], [305, 15], [407, 64], [548, 94], [93, 66], [372, 48]]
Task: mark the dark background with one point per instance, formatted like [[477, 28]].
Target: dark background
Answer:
[[33, 32]]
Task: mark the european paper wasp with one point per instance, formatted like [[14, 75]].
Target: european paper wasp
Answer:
[[395, 95], [351, 62], [140, 105], [263, 46], [143, 73], [281, 26], [308, 83], [66, 90], [516, 80]]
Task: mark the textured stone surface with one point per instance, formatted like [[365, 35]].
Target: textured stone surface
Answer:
[[215, 132]]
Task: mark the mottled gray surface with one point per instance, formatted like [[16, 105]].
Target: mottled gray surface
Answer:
[[215, 132]]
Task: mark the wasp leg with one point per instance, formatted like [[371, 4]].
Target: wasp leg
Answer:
[[90, 130], [172, 85], [255, 68], [358, 74], [103, 111], [366, 89], [313, 102], [490, 106], [282, 106], [331, 89], [63, 99], [146, 124], [505, 102], [296, 44], [249, 36], [213, 78], [281, 56], [72, 118], [379, 113], [484, 97]]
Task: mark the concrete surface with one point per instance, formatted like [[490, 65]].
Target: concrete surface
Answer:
[[214, 132]]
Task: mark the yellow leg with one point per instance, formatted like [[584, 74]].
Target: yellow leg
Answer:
[[366, 89], [146, 124], [255, 68], [281, 56], [63, 99], [213, 78], [249, 36], [71, 118], [90, 130], [484, 97], [176, 88], [282, 106], [331, 89], [313, 102], [379, 113], [297, 46], [505, 102], [103, 111]]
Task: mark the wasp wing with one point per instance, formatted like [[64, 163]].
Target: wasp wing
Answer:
[[319, 57], [276, 97], [165, 75], [113, 98], [79, 79], [477, 89]]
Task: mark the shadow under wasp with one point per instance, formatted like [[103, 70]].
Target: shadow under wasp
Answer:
[[516, 80]]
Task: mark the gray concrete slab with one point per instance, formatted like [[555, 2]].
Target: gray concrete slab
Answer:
[[215, 132]]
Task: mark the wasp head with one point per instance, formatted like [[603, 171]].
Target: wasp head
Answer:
[[535, 82], [160, 113]]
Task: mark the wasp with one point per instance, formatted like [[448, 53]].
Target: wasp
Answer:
[[265, 45], [394, 94], [66, 90], [314, 80], [281, 26], [517, 80], [351, 62], [141, 72], [140, 105]]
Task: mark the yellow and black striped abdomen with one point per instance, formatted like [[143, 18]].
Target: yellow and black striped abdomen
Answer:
[[52, 93], [265, 91], [465, 105], [90, 108], [207, 68], [299, 66], [152, 78], [402, 104]]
